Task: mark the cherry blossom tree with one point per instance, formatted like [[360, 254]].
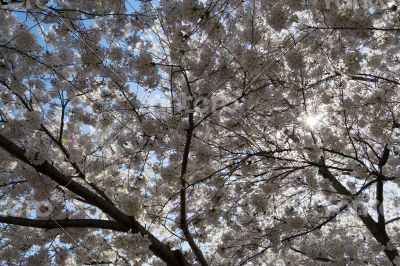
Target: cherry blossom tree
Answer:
[[199, 132]]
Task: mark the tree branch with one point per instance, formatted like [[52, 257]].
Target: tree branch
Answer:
[[185, 158], [158, 248], [353, 28], [316, 258], [65, 223], [379, 233], [393, 220]]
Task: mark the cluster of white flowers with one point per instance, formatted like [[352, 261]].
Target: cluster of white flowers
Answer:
[[143, 63], [278, 18], [150, 127], [248, 168], [352, 62], [203, 153], [41, 258], [269, 187], [75, 155], [359, 171], [33, 119], [132, 244], [259, 202], [146, 71], [295, 60], [131, 204], [36, 157], [170, 173], [330, 95], [311, 179], [295, 222]]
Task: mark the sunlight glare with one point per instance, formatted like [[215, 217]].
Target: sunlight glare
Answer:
[[311, 120]]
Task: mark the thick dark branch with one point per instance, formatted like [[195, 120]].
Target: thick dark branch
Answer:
[[379, 77], [364, 79], [354, 28], [65, 223], [159, 249], [317, 227], [244, 262], [98, 263], [378, 232], [12, 183], [185, 158], [393, 220], [6, 2], [74, 164], [379, 189], [316, 258], [379, 203], [384, 158]]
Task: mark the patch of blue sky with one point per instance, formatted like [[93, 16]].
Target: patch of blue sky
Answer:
[[154, 97], [135, 5], [37, 27], [132, 6]]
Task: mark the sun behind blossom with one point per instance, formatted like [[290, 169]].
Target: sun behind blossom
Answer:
[[311, 120]]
